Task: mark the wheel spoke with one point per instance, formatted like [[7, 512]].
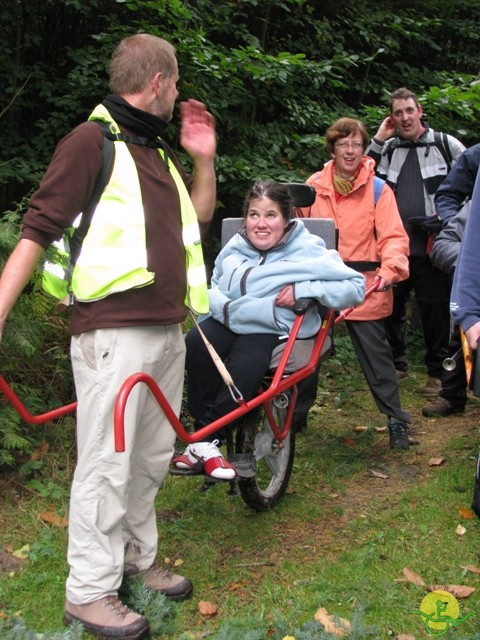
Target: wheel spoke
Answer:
[[273, 460]]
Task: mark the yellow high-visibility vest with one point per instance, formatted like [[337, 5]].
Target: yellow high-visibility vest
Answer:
[[113, 256]]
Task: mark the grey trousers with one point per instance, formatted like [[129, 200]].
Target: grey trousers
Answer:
[[112, 521], [376, 361]]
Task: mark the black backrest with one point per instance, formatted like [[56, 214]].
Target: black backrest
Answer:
[[303, 195]]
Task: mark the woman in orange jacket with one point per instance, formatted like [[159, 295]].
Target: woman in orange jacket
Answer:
[[372, 240]]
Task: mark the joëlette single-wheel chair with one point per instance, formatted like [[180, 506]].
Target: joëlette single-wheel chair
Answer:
[[262, 444]]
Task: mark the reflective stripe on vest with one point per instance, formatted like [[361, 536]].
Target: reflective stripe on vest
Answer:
[[56, 275]]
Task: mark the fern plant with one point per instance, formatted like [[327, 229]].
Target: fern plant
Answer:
[[15, 629], [155, 606], [34, 349]]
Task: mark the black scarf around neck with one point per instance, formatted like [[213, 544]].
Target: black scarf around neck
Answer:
[[135, 120]]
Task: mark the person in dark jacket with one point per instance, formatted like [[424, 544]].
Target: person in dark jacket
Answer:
[[452, 202], [414, 160], [465, 297]]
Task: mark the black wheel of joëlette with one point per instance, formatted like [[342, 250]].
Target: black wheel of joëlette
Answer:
[[272, 461]]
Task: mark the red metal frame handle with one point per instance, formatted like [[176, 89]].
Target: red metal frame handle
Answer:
[[279, 384], [25, 414], [343, 314]]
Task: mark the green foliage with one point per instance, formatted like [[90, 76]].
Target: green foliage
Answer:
[[15, 629], [159, 611], [35, 359], [280, 628], [275, 74]]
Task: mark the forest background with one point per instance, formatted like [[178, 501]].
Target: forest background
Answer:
[[275, 74]]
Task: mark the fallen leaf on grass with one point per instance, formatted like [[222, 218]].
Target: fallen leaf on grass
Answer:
[[3, 615], [413, 577], [404, 636], [470, 567], [54, 518], [207, 609], [235, 586], [360, 429], [348, 442], [460, 530], [466, 514], [457, 590], [37, 453], [435, 462], [341, 629], [379, 474], [23, 552], [380, 429]]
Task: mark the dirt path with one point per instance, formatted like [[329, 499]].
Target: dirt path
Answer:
[[392, 473]]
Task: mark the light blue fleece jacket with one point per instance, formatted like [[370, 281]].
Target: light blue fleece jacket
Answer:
[[246, 281]]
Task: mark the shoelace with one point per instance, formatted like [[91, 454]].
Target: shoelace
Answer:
[[208, 451], [158, 571], [115, 605]]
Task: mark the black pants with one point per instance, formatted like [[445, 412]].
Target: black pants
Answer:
[[247, 358], [307, 394], [454, 383], [432, 292]]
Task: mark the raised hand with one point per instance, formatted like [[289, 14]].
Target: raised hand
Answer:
[[197, 135]]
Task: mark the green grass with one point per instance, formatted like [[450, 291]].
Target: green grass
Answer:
[[339, 539]]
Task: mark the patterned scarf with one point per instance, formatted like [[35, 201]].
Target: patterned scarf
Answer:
[[343, 185]]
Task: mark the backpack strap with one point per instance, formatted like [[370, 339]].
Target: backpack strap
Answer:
[[78, 235], [378, 185], [108, 149], [441, 142], [391, 146]]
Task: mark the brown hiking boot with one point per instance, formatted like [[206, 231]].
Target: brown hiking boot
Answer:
[[158, 579], [441, 407], [107, 618], [432, 387]]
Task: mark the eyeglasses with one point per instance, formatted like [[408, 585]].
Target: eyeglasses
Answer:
[[356, 146]]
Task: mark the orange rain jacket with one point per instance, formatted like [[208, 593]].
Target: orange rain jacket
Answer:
[[366, 232]]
